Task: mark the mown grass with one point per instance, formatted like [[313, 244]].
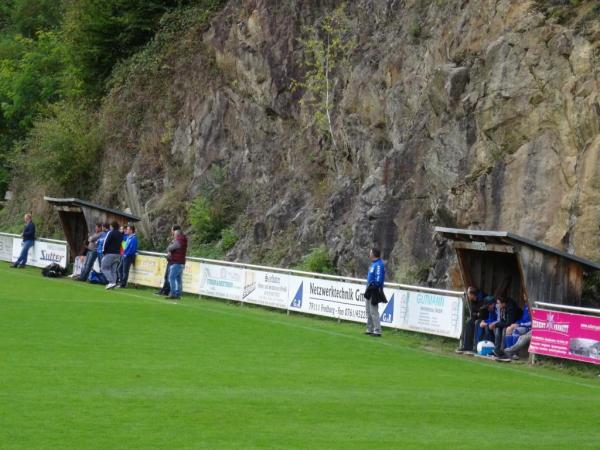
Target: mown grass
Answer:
[[84, 368]]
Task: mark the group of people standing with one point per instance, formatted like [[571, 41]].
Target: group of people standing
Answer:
[[115, 248]]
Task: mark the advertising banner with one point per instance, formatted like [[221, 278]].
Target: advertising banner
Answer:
[[565, 335], [191, 277], [78, 264], [265, 288], [148, 270], [42, 253], [6, 248], [221, 281], [328, 298], [428, 313]]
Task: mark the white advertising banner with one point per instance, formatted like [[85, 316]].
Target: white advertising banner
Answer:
[[42, 253], [78, 264], [221, 281], [265, 288], [6, 248], [428, 313], [328, 298]]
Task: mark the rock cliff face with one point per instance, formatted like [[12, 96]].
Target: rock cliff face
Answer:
[[482, 114]]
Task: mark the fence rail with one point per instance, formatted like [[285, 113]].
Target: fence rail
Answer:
[[312, 274], [415, 308], [568, 308]]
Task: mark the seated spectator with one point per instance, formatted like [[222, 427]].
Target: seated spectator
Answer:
[[488, 317], [129, 253], [519, 328], [505, 319], [522, 343], [474, 304]]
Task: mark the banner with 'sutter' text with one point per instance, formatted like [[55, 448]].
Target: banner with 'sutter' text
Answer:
[[42, 253]]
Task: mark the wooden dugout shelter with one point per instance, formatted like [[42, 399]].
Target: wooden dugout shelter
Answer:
[[79, 217], [523, 269]]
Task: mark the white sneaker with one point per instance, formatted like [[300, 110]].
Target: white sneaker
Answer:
[[110, 285]]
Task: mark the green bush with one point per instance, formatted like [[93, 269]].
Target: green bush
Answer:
[[317, 261], [228, 238], [62, 150], [205, 220]]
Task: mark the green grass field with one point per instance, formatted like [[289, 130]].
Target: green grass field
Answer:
[[84, 368]]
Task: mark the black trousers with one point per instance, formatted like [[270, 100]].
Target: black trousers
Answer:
[[468, 334], [498, 338], [166, 288], [126, 262]]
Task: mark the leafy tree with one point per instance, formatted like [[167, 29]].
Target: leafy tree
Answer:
[[327, 48], [63, 149], [28, 17], [34, 77], [103, 32]]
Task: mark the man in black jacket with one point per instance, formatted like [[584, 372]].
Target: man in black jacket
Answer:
[[28, 236], [112, 254], [474, 311], [507, 317]]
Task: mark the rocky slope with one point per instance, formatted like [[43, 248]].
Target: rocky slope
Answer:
[[479, 114]]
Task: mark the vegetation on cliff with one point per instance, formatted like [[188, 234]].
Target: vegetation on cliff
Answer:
[[327, 125], [58, 60]]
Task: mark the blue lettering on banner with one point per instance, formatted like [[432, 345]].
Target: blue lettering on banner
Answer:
[[297, 301], [387, 316], [430, 299]]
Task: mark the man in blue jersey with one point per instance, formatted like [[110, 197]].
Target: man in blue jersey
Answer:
[[374, 293]]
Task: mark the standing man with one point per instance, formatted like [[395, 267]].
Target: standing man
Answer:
[[92, 253], [166, 287], [129, 253], [112, 254], [177, 251], [374, 293], [28, 236]]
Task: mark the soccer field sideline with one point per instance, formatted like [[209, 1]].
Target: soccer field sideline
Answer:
[[92, 369], [243, 312]]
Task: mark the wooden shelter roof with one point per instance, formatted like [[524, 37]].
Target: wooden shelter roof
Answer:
[[75, 202], [506, 238]]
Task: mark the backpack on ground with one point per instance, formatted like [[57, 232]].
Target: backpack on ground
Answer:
[[54, 271], [97, 278]]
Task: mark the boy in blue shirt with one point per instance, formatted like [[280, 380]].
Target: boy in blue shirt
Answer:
[[484, 333], [129, 253]]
